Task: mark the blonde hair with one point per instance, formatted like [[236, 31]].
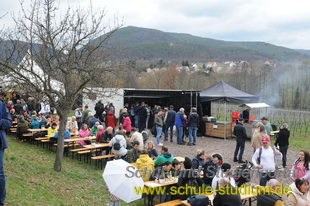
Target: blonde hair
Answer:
[[200, 152], [284, 126], [151, 142]]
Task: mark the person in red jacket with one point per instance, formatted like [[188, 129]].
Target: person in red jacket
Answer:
[[126, 123], [111, 120]]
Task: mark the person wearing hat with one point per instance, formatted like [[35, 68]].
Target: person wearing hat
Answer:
[[264, 159], [223, 173], [241, 136], [267, 125]]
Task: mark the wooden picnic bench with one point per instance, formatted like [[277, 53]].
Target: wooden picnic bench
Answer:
[[171, 203], [97, 158]]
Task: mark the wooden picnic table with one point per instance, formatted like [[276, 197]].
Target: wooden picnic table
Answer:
[[95, 146], [79, 139], [154, 184], [37, 130], [52, 135]]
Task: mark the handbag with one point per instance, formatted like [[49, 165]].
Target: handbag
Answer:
[[199, 200]]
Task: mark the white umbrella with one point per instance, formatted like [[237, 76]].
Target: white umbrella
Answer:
[[119, 184]]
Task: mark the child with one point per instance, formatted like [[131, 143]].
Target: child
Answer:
[[114, 201]]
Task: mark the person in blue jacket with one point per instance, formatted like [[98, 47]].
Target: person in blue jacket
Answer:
[[67, 135], [5, 123]]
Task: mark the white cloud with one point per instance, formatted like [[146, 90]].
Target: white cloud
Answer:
[[282, 22]]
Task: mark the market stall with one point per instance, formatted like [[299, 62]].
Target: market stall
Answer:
[[223, 92], [250, 121]]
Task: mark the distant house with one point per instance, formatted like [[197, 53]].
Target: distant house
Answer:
[[211, 65], [270, 63], [194, 67]]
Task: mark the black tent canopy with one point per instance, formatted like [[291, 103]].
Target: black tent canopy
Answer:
[[226, 93]]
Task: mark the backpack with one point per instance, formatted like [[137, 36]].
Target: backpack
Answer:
[[102, 138], [117, 145], [199, 200], [145, 136], [260, 153]]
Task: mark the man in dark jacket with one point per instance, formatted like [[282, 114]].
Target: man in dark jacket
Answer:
[[169, 123], [99, 108], [142, 117], [192, 124], [226, 195], [18, 107], [5, 123], [240, 133]]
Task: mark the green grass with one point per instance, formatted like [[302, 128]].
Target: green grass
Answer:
[[31, 179]]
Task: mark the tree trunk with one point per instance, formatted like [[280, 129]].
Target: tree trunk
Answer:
[[60, 142]]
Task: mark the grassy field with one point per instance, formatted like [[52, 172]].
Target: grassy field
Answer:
[[32, 181]]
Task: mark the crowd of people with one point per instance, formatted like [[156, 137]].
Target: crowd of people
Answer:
[[128, 138]]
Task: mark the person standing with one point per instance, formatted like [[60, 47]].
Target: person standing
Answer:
[[283, 142], [180, 118], [142, 117], [192, 124], [78, 115], [5, 123], [267, 125], [99, 108], [241, 136], [158, 121], [85, 115], [264, 160], [301, 167], [169, 123], [136, 112]]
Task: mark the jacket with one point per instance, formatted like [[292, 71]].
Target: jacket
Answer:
[[110, 120], [83, 134], [5, 123], [67, 134], [297, 198], [179, 119], [92, 122], [98, 135], [186, 177], [152, 152], [137, 136], [145, 163], [227, 199], [133, 155], [170, 117], [163, 158], [123, 144], [294, 171], [193, 120], [127, 124], [94, 130], [22, 127], [256, 141], [282, 139], [196, 162], [35, 125], [158, 120], [240, 132]]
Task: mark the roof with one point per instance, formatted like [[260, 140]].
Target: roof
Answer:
[[225, 92], [254, 105]]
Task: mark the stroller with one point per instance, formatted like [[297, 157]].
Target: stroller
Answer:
[[243, 173]]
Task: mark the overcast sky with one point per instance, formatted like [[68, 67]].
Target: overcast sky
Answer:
[[280, 22]]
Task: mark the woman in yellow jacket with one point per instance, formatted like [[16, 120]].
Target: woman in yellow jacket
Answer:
[[145, 164]]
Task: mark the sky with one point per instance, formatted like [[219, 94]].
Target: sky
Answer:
[[280, 22]]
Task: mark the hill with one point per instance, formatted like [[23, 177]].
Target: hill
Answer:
[[151, 44]]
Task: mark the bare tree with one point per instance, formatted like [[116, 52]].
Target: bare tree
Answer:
[[57, 56]]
